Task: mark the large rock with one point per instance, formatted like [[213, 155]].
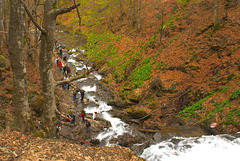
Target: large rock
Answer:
[[181, 131], [136, 113], [136, 96]]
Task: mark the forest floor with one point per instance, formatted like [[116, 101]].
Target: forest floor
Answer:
[[18, 146]]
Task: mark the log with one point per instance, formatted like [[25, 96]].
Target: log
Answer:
[[61, 115], [75, 78], [65, 123], [149, 130]]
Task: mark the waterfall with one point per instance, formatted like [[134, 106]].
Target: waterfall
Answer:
[[205, 148]]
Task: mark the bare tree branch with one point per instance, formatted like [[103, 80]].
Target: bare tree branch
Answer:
[[65, 10], [33, 20], [78, 13]]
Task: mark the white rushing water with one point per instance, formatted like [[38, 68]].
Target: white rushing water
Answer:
[[205, 148], [118, 126]]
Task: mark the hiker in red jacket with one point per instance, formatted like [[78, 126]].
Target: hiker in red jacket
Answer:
[[60, 65], [83, 115], [68, 72]]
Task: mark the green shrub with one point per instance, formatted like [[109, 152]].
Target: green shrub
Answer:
[[141, 74], [183, 2], [161, 65], [190, 111], [235, 95], [223, 89]]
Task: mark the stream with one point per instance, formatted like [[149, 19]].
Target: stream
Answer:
[[206, 147]]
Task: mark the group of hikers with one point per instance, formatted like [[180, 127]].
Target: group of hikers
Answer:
[[66, 69], [70, 119], [83, 115], [67, 74], [75, 92]]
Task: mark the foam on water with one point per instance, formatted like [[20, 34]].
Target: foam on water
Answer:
[[206, 148], [90, 88], [118, 128]]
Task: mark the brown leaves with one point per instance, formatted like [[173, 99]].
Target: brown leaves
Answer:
[[15, 145]]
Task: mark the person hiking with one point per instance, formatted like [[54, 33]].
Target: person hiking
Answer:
[[76, 72], [70, 111], [58, 128], [88, 125], [61, 53], [57, 59], [65, 70], [82, 94], [75, 91], [58, 47], [83, 115], [67, 83], [60, 65], [73, 119], [39, 124], [94, 115], [69, 71]]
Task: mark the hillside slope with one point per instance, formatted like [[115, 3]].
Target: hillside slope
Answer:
[[178, 55]]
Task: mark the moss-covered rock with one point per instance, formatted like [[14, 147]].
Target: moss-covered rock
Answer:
[[135, 96], [136, 114]]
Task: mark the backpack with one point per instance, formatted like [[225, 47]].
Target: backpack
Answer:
[[69, 70], [88, 124]]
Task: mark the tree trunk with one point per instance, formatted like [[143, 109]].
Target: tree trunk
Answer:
[[139, 15], [45, 62], [216, 13], [131, 12], [6, 9], [17, 59], [1, 22], [45, 65], [35, 28]]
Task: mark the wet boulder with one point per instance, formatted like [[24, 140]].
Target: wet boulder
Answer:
[[95, 142]]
